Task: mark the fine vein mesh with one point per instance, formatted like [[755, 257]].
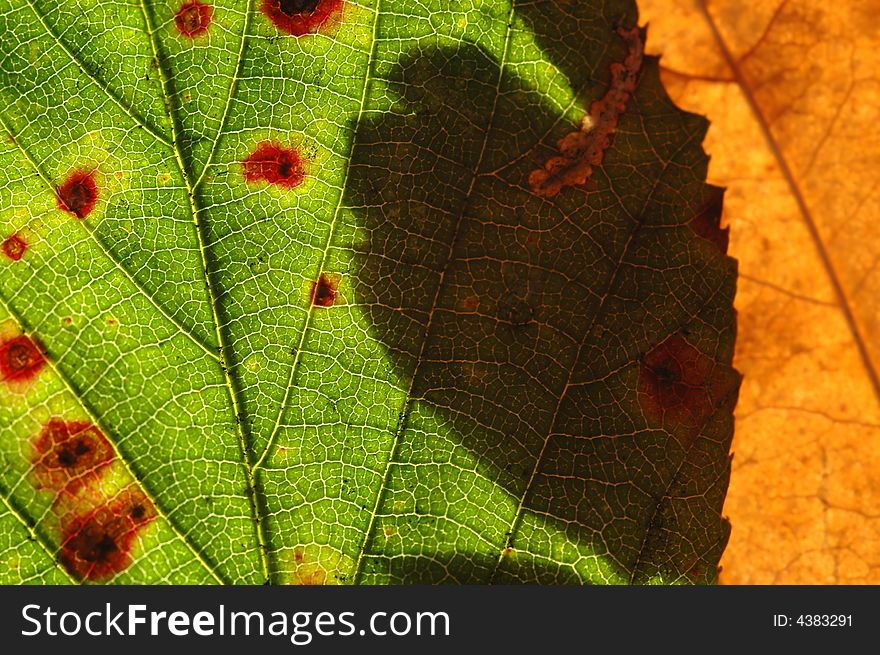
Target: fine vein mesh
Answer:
[[468, 410]]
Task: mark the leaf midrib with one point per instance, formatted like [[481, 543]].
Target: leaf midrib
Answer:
[[214, 293]]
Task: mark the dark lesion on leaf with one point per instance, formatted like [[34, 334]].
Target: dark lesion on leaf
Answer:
[[275, 163], [707, 221], [78, 193], [193, 18], [680, 387], [302, 17], [325, 290], [69, 455], [21, 358], [14, 247], [584, 148], [294, 7], [97, 544]]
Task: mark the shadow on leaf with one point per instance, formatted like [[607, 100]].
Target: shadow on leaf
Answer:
[[494, 304]]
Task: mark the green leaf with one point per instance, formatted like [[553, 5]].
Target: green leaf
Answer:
[[421, 363]]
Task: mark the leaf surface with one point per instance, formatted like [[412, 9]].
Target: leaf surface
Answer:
[[297, 310]]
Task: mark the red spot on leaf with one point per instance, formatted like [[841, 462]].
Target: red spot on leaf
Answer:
[[707, 222], [300, 17], [78, 194], [21, 358], [470, 303], [14, 247], [193, 19], [692, 568], [97, 545], [680, 387], [325, 290], [68, 454], [275, 164], [305, 572]]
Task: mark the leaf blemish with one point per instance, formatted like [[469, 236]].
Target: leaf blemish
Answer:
[[585, 148], [324, 290], [193, 19], [14, 247], [306, 572], [68, 454], [707, 222], [680, 386], [275, 164], [21, 358], [78, 194], [97, 545], [301, 17]]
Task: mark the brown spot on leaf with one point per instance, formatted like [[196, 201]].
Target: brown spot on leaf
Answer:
[[78, 194], [707, 222], [193, 19], [325, 290], [14, 247], [470, 303], [681, 387], [275, 164], [21, 358], [301, 17], [69, 454], [585, 147], [97, 545]]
